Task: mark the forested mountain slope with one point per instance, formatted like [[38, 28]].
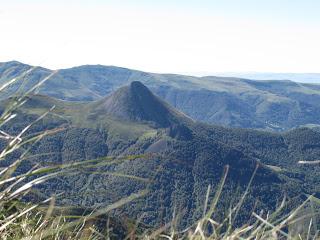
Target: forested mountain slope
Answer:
[[135, 148]]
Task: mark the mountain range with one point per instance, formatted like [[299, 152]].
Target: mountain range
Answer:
[[132, 140], [277, 105], [297, 77]]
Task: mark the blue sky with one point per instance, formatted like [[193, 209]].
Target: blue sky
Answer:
[[164, 36]]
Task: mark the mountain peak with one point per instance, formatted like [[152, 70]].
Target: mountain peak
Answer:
[[136, 85], [137, 103], [139, 91]]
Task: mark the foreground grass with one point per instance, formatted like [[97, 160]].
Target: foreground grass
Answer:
[[28, 220]]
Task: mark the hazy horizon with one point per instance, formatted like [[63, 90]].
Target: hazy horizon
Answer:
[[297, 77], [146, 70], [164, 36]]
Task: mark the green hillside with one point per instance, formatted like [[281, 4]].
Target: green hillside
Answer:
[[130, 148]]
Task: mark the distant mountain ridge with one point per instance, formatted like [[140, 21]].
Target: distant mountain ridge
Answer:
[[297, 77], [270, 105]]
